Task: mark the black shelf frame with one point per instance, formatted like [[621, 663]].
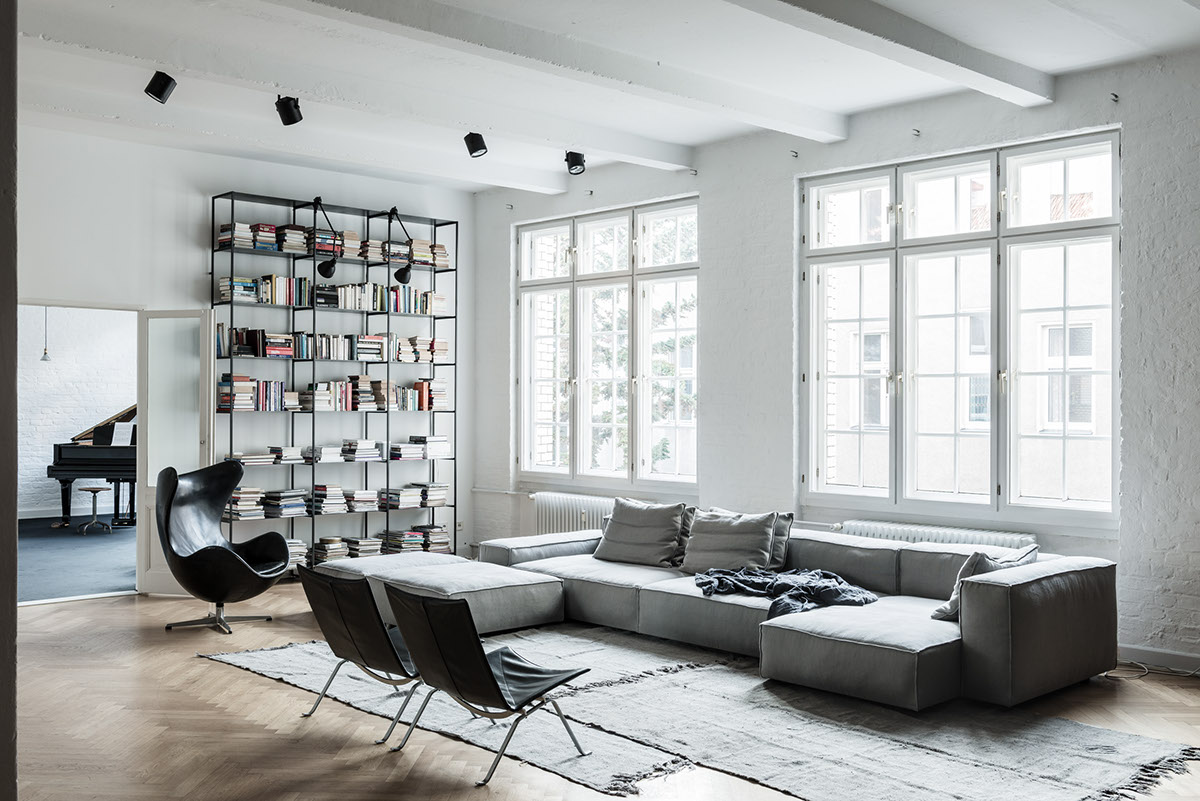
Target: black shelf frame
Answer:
[[371, 222]]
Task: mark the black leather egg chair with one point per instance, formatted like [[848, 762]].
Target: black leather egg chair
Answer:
[[203, 562]]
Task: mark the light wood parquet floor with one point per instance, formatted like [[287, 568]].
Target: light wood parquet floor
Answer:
[[112, 707]]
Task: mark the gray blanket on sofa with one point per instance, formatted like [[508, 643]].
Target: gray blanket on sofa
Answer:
[[793, 590]]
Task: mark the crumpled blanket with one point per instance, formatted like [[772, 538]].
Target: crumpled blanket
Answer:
[[793, 590]]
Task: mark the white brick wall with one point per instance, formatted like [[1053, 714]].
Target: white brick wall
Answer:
[[749, 439], [91, 375]]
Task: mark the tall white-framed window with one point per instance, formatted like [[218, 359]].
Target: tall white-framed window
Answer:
[[961, 357], [608, 383]]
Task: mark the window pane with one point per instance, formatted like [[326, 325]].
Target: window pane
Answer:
[[668, 396], [853, 363], [1062, 185], [547, 373], [1062, 363], [853, 213], [668, 236], [604, 379], [603, 245], [546, 253], [943, 201], [949, 339]]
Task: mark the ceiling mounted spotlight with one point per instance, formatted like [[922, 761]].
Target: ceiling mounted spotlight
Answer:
[[575, 163], [160, 87], [475, 145], [289, 110], [328, 267]]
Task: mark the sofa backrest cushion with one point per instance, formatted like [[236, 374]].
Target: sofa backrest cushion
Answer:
[[930, 569], [868, 562], [779, 541], [642, 533], [727, 540]]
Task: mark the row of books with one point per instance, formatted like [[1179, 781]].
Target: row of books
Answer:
[[302, 240], [419, 446], [346, 347], [269, 289], [254, 503], [280, 290], [432, 537], [241, 393]]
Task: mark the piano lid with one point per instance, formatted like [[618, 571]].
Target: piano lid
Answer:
[[127, 416]]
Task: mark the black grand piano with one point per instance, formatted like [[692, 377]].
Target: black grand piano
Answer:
[[91, 454]]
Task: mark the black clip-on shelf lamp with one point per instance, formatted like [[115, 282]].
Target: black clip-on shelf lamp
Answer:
[[403, 274], [328, 267]]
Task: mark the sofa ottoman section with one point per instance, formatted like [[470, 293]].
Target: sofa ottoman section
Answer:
[[678, 610], [890, 651], [604, 593]]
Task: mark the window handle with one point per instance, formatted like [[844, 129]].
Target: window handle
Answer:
[[1002, 378]]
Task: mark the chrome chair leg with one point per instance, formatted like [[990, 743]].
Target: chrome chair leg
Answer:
[[567, 726], [399, 712], [325, 689], [218, 620], [503, 747], [412, 726]]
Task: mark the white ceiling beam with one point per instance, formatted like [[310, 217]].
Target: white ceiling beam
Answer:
[[550, 53], [871, 27]]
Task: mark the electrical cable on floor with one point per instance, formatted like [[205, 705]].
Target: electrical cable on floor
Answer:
[[1138, 670]]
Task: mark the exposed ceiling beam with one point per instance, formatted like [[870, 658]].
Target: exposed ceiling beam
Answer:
[[550, 53], [884, 32]]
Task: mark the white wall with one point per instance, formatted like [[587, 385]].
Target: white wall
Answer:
[[749, 440], [109, 223], [91, 375]]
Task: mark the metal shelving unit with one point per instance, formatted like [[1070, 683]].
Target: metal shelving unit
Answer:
[[310, 318]]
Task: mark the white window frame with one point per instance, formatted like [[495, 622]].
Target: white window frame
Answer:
[[634, 275], [812, 233], [1001, 510]]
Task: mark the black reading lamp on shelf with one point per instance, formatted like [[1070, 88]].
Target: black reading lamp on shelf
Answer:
[[403, 274], [328, 267]]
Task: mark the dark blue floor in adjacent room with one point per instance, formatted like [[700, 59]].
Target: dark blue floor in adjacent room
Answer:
[[61, 563]]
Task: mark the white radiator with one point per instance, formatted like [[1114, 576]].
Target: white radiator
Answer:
[[915, 532], [566, 511]]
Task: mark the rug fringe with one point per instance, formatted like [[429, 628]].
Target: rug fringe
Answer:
[[626, 783], [1149, 776]]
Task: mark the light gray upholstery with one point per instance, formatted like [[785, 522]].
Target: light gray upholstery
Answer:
[[605, 593], [677, 610], [729, 541], [1032, 629], [642, 533], [377, 568], [501, 598], [889, 651], [514, 550], [930, 569], [865, 561]]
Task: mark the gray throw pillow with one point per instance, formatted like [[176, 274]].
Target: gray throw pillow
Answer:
[[729, 541], [976, 565], [779, 541], [685, 529], [641, 533]]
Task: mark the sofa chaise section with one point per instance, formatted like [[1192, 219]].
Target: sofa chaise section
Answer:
[[600, 592]]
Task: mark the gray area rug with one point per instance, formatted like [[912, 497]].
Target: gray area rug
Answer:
[[653, 707]]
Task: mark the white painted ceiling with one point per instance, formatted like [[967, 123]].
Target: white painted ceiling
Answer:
[[389, 88]]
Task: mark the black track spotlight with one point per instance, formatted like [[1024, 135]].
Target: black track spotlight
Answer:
[[403, 274], [289, 110], [160, 87], [327, 268], [475, 145], [575, 163]]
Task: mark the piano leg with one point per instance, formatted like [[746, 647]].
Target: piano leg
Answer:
[[65, 484], [131, 518]]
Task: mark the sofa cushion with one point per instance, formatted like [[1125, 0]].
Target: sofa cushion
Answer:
[[930, 569], [729, 540], [868, 562], [890, 651], [677, 610], [605, 593], [514, 550], [642, 533], [779, 541], [976, 565], [377, 569]]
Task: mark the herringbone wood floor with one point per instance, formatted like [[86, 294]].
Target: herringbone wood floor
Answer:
[[111, 706]]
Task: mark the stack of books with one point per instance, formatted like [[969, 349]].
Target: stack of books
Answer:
[[407, 450], [239, 234], [384, 393], [408, 497], [297, 552], [361, 450], [322, 453], [250, 459], [437, 538], [432, 394], [363, 397], [363, 546], [352, 242], [236, 393], [396, 252], [433, 493], [246, 504], [441, 259], [325, 296], [441, 350], [361, 500], [372, 250], [284, 503], [321, 242], [318, 398], [402, 541], [237, 289], [420, 251], [287, 454], [291, 239], [435, 446], [370, 347], [328, 549], [327, 499], [264, 237], [422, 348]]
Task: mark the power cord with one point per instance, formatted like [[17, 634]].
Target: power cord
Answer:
[[1137, 670]]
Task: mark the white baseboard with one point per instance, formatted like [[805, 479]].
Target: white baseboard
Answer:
[[1159, 657], [77, 510]]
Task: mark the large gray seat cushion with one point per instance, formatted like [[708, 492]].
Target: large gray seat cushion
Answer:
[[377, 568], [677, 610], [501, 598], [515, 550], [604, 593], [865, 561], [890, 651]]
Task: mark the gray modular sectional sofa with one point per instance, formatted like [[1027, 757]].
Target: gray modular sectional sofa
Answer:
[[1022, 631]]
